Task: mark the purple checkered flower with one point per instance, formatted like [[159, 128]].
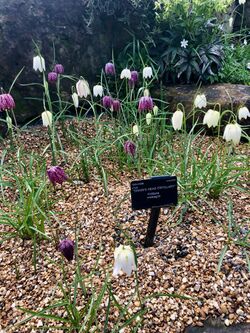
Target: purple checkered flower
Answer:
[[67, 247], [6, 102], [107, 102], [56, 175], [145, 103], [130, 148], [59, 69], [52, 77], [116, 105], [110, 68], [134, 78]]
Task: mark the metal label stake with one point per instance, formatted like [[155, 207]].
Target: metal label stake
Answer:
[[152, 225]]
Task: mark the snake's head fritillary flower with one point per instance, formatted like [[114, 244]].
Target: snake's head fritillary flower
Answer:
[[75, 100], [242, 2], [124, 260], [98, 90], [126, 74], [147, 72], [130, 148], [107, 102], [155, 110], [200, 101], [56, 174], [135, 130], [66, 247], [82, 88], [134, 78], [52, 77], [110, 68], [59, 69], [47, 118], [39, 63], [145, 104], [148, 118], [211, 118], [232, 133], [116, 105], [6, 102], [177, 120], [243, 113]]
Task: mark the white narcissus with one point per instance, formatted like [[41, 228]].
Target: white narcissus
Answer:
[[82, 88], [177, 120], [75, 100], [126, 74], [124, 260], [47, 118], [98, 90], [232, 133], [39, 63], [147, 72], [200, 101], [148, 118], [243, 113], [211, 118]]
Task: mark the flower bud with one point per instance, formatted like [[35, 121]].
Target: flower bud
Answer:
[[155, 110], [130, 148], [75, 100], [58, 68], [148, 118], [134, 78], [116, 105], [52, 77], [107, 102], [110, 68]]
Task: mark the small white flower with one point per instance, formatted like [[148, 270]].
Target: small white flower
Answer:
[[146, 93], [232, 132], [124, 260], [126, 74], [75, 100], [248, 65], [148, 118], [230, 22], [211, 118], [82, 88], [39, 63], [242, 2], [47, 118], [147, 73], [200, 101], [177, 120], [155, 110], [184, 43], [98, 90], [135, 130], [243, 113], [245, 41], [232, 46]]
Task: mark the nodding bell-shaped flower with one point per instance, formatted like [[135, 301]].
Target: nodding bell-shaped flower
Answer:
[[59, 69], [145, 103], [243, 113], [200, 101], [82, 88], [67, 247], [211, 118], [242, 2], [232, 133], [116, 105], [177, 120], [230, 22], [248, 65], [134, 78], [6, 102], [110, 68], [56, 175], [126, 74], [98, 90], [135, 130], [124, 260], [148, 118], [75, 99], [130, 148], [155, 110], [146, 93], [147, 72], [47, 118], [52, 77], [107, 102], [39, 64]]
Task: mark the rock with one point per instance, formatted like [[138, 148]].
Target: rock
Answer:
[[217, 326], [228, 96]]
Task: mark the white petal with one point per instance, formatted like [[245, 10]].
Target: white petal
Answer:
[[47, 118]]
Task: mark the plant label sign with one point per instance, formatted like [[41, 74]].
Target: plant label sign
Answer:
[[155, 192]]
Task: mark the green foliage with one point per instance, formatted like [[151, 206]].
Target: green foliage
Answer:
[[234, 65]]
